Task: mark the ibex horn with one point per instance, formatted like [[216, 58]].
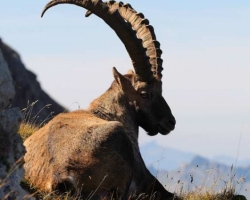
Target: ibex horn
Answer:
[[133, 30]]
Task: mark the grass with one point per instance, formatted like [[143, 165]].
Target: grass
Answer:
[[26, 130], [211, 186], [29, 124], [208, 196]]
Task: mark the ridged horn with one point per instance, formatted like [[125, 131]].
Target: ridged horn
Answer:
[[132, 29]]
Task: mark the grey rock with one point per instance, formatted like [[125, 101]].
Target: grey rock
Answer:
[[11, 146], [11, 156], [7, 90]]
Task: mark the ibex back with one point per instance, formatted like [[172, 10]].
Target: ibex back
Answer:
[[95, 151]]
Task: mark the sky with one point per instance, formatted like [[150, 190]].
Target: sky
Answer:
[[206, 77]]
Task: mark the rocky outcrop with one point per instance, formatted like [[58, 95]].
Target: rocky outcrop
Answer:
[[7, 90], [28, 88], [11, 147]]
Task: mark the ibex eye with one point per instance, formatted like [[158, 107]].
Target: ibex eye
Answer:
[[145, 95]]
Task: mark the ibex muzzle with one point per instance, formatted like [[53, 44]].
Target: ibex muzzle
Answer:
[[95, 151]]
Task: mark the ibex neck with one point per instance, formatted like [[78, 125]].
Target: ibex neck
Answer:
[[113, 106]]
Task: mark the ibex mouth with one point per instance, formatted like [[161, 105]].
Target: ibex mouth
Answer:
[[166, 126]]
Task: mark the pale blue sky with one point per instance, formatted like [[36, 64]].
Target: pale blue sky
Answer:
[[206, 46]]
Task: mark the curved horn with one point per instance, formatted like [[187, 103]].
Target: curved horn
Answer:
[[133, 30]]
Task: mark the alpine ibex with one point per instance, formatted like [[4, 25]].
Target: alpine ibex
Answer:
[[96, 150]]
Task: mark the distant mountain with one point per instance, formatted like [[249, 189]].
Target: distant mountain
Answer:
[[170, 159], [221, 168], [229, 161], [206, 175], [157, 157], [179, 170]]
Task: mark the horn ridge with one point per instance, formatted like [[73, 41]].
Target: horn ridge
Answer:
[[145, 32], [131, 27]]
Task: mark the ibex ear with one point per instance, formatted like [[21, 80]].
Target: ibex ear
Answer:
[[130, 71], [120, 79]]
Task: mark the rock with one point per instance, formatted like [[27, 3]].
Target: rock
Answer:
[[7, 90], [11, 155], [11, 146], [28, 89]]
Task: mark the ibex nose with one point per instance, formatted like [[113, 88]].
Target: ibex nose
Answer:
[[172, 121], [165, 126]]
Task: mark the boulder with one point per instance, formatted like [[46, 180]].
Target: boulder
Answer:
[[7, 90], [11, 146]]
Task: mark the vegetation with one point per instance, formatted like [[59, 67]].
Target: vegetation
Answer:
[[208, 196], [26, 130], [29, 124]]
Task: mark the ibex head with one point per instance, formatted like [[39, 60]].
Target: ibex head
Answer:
[[145, 98], [143, 88]]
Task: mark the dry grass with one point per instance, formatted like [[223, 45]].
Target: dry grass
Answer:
[[26, 130], [208, 196], [29, 124]]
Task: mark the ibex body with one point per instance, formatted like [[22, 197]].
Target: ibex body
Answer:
[[96, 150]]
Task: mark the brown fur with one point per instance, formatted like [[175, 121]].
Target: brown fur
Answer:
[[79, 148], [97, 149]]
